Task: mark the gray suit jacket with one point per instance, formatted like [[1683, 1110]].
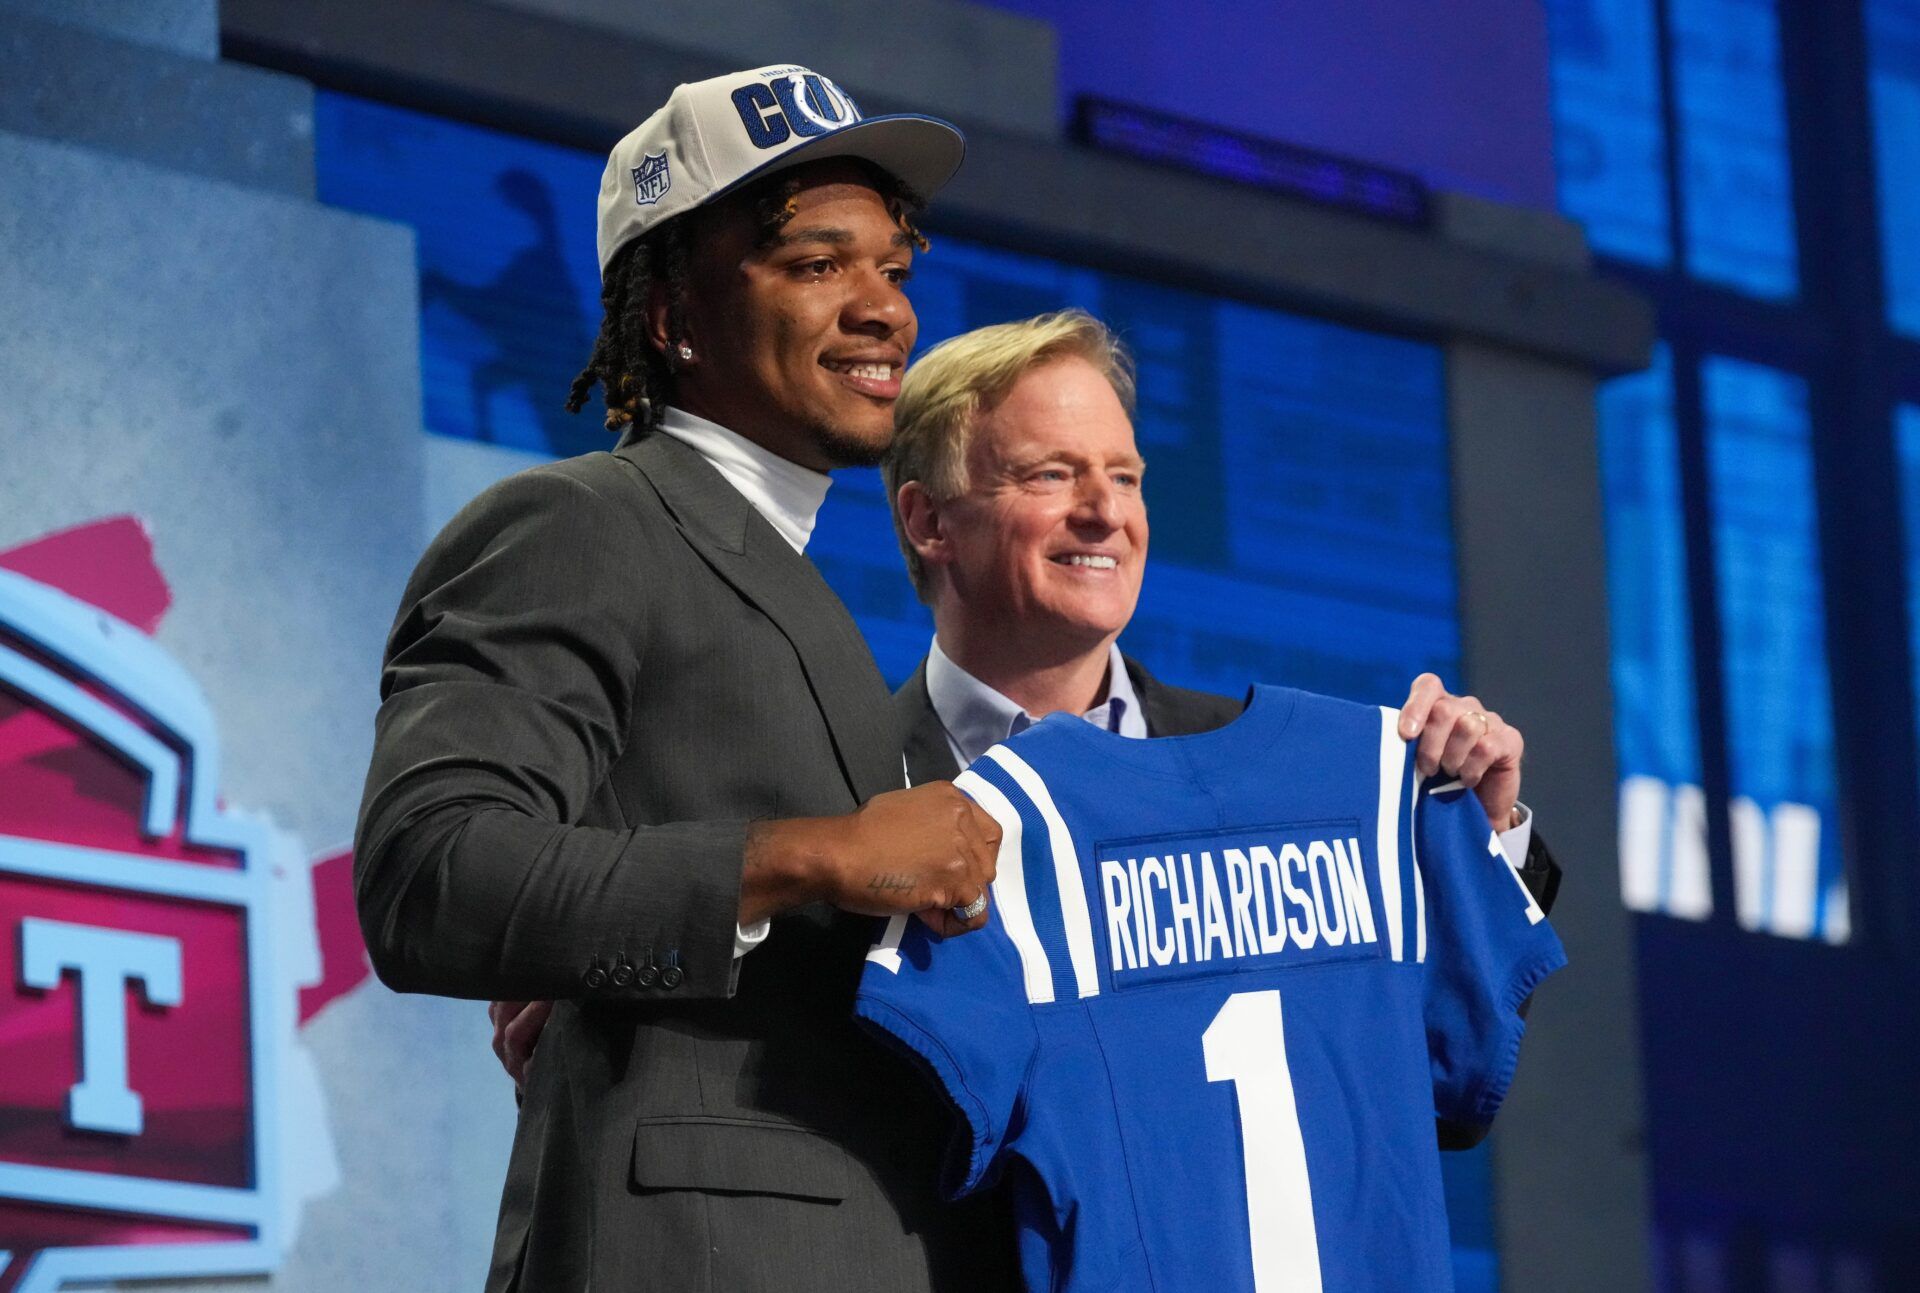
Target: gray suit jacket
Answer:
[[602, 670]]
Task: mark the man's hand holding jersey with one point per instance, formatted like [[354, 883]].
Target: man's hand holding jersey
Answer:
[[1462, 738], [928, 852]]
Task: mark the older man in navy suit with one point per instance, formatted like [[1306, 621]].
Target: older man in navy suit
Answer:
[[1016, 485]]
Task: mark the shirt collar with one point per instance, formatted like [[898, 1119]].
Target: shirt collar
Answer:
[[786, 493], [976, 717]]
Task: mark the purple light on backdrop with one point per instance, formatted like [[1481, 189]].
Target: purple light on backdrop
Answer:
[[1264, 163]]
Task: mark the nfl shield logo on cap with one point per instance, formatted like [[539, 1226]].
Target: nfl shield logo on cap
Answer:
[[650, 179], [713, 136]]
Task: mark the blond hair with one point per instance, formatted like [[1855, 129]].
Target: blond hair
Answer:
[[945, 391]]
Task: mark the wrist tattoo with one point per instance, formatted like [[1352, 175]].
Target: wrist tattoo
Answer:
[[891, 883]]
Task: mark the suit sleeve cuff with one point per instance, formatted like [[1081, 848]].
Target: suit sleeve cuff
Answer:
[[680, 899], [748, 937], [1516, 839]]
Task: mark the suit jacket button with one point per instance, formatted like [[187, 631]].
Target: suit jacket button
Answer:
[[595, 977], [622, 975], [671, 974]]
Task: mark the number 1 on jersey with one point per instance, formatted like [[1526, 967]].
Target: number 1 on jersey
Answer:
[[1245, 1045]]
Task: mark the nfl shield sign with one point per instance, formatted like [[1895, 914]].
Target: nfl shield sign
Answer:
[[650, 179], [141, 1005]]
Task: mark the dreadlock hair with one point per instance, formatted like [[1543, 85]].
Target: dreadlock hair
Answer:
[[635, 378]]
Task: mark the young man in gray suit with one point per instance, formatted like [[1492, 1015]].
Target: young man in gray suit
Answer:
[[625, 725]]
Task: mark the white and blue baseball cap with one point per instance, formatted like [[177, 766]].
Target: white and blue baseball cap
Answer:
[[713, 136]]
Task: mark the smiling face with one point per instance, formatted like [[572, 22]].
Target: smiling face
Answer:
[[799, 342], [1049, 540]]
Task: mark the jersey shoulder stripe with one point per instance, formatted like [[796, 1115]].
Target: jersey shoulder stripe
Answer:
[[1402, 887], [1032, 886], [1076, 921], [1390, 836], [1414, 799], [1011, 906]]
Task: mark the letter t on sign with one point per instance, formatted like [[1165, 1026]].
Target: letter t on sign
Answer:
[[104, 961]]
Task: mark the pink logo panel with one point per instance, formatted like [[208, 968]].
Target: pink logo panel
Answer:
[[146, 1004]]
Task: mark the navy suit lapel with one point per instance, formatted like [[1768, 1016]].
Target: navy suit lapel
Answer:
[[1153, 701], [744, 549], [1175, 711], [929, 754]]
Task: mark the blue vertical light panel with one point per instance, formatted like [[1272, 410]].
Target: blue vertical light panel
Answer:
[[1893, 42], [1610, 147], [1663, 841], [1906, 431], [1736, 190], [1788, 872]]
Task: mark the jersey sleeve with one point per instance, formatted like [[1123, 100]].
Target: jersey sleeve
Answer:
[[958, 1008], [1489, 945]]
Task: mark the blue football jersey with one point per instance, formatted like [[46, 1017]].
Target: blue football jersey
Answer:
[[1228, 982]]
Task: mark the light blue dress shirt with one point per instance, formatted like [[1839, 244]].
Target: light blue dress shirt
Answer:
[[977, 718]]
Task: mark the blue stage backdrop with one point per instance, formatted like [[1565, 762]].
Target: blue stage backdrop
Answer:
[[1726, 162], [1298, 474], [1749, 513]]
